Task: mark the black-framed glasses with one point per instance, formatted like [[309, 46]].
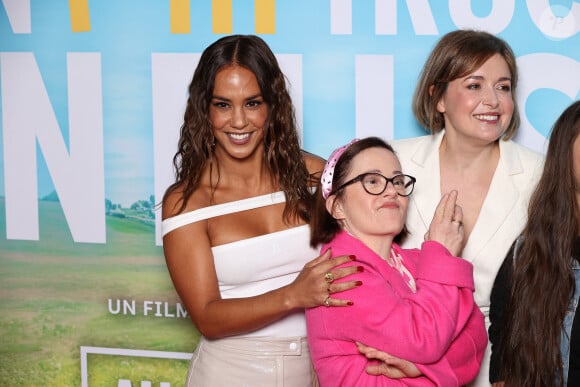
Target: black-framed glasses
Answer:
[[375, 183]]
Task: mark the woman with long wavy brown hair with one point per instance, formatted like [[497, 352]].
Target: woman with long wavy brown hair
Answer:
[[534, 330], [235, 223]]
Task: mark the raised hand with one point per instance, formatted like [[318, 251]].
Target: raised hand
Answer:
[[447, 224]]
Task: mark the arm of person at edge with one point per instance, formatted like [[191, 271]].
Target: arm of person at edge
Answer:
[[500, 292], [464, 354], [191, 266]]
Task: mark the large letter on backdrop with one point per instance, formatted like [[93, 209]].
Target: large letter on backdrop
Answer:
[[18, 12], [498, 19], [565, 79], [77, 173], [171, 73], [374, 96], [419, 10], [555, 26]]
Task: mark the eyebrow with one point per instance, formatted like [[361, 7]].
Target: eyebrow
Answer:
[[256, 96], [379, 172], [480, 77]]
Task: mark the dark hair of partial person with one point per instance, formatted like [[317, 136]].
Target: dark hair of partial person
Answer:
[[457, 54], [542, 277], [323, 227], [282, 154]]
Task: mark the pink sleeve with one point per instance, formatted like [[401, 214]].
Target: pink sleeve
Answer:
[[466, 351], [464, 356]]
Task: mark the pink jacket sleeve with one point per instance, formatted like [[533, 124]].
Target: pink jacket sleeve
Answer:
[[464, 355]]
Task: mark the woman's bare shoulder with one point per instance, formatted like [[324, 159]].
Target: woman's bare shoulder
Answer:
[[172, 203], [314, 163]]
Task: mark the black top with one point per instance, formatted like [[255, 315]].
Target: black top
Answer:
[[498, 300], [574, 372]]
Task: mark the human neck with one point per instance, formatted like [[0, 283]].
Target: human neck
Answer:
[[244, 174], [380, 244], [455, 152]]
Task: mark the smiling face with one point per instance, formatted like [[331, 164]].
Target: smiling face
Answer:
[[479, 106], [237, 112], [374, 219]]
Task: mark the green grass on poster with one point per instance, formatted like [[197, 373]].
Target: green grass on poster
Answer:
[[54, 298]]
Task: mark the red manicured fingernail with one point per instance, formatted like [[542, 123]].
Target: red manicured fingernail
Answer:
[[352, 257], [360, 269], [350, 303], [358, 283]]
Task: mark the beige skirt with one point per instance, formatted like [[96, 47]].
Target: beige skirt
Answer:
[[255, 362]]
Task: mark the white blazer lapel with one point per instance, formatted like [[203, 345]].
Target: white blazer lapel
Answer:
[[498, 204], [425, 168]]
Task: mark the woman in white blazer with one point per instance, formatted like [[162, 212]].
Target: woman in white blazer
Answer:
[[466, 98]]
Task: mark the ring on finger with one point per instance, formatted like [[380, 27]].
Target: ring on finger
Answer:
[[327, 301], [329, 277]]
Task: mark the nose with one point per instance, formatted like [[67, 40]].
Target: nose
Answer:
[[490, 97], [238, 120], [390, 190]]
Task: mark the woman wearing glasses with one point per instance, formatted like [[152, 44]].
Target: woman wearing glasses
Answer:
[[415, 304]]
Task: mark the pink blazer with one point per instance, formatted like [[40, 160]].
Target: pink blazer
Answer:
[[438, 327]]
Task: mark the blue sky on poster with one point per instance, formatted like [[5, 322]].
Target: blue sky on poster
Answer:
[[126, 33]]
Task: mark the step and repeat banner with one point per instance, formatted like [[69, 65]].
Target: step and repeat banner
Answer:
[[92, 96]]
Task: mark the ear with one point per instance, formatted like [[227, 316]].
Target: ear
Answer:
[[440, 103], [441, 106], [334, 207]]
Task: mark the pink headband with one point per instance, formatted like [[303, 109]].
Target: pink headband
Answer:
[[328, 173]]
